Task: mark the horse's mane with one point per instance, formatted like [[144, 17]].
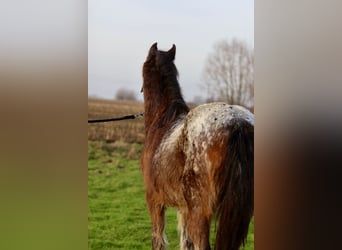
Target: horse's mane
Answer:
[[161, 86]]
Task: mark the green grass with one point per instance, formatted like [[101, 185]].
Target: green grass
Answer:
[[117, 213]]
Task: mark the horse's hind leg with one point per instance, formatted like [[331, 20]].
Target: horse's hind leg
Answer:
[[198, 228], [185, 242], [158, 223]]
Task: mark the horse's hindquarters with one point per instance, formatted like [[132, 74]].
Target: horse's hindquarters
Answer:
[[206, 132]]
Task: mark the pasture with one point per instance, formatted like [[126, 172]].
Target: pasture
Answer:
[[117, 212]]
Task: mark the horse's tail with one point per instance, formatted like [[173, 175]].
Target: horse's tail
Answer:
[[236, 188]]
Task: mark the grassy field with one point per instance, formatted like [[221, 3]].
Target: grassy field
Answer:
[[118, 217], [117, 212]]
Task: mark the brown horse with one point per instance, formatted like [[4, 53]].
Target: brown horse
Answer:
[[198, 161]]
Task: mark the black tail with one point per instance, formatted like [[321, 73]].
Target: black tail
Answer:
[[236, 183]]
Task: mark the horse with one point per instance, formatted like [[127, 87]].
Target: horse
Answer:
[[200, 161]]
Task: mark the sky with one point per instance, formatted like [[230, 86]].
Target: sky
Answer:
[[120, 34]]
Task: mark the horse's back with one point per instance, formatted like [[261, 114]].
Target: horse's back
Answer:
[[217, 114], [211, 121]]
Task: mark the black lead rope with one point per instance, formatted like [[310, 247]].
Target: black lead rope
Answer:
[[126, 117]]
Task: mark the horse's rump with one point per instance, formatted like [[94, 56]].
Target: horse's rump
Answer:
[[195, 147]]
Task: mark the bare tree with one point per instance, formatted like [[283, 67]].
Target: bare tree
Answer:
[[125, 94], [229, 73]]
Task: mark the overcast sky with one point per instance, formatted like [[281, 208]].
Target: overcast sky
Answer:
[[121, 33]]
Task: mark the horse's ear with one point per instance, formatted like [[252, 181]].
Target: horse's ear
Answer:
[[153, 50], [172, 52]]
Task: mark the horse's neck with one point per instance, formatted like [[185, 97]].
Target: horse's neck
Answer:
[[163, 107], [153, 108]]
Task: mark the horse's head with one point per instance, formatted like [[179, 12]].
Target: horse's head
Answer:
[[163, 99], [159, 64], [159, 58]]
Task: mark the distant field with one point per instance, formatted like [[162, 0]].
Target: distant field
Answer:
[[117, 213], [127, 131]]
